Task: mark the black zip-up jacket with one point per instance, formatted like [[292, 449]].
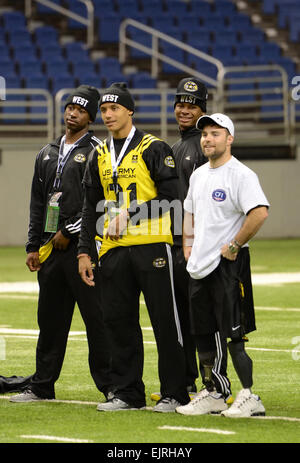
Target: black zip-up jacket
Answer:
[[71, 200], [188, 157]]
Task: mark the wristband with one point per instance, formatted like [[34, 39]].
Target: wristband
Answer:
[[83, 255]]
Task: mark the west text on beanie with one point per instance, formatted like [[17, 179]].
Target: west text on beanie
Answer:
[[118, 93]]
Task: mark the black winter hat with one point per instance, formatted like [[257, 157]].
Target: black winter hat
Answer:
[[191, 90], [86, 96], [118, 93]]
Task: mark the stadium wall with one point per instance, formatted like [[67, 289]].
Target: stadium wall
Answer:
[[279, 178]]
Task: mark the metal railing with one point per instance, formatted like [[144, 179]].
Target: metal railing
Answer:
[[157, 56], [88, 21], [16, 115]]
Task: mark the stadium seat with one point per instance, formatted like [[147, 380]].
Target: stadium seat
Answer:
[[57, 66], [202, 39], [13, 20], [143, 80], [30, 68], [109, 64], [253, 36], [269, 51], [59, 82], [127, 7], [294, 33], [17, 37], [201, 9], [222, 52], [46, 35], [242, 97], [36, 82], [214, 23], [240, 22], [25, 53], [190, 24], [164, 24], [47, 10], [18, 110], [143, 38], [148, 104], [228, 37], [79, 9], [269, 6], [108, 30], [90, 79], [176, 54]]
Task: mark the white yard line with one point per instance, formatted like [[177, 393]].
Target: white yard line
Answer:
[[257, 279], [57, 439], [184, 428]]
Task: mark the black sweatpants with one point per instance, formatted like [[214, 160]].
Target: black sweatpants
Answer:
[[125, 273], [60, 288], [182, 281]]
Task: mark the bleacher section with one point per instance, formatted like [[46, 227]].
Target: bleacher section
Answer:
[[35, 56]]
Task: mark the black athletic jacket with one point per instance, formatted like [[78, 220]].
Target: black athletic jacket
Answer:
[[71, 200], [188, 156]]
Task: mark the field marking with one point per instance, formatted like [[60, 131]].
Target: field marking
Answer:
[[84, 402], [58, 439], [257, 279], [184, 428], [278, 309]]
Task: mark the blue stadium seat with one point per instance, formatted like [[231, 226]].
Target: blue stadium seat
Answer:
[[240, 22], [109, 79], [247, 53], [18, 110], [59, 82], [25, 53], [79, 9], [19, 36], [176, 54], [285, 11], [295, 28], [202, 39], [225, 7], [269, 6], [13, 20], [90, 79], [104, 6], [214, 23], [30, 68], [78, 70], [201, 9], [143, 80], [36, 82], [178, 9], [51, 54], [126, 7], [46, 10], [7, 67], [223, 52], [143, 38], [164, 24], [269, 51], [149, 104], [228, 37], [109, 64], [46, 35], [153, 8], [240, 97], [188, 24], [12, 80], [254, 36], [108, 30], [57, 68]]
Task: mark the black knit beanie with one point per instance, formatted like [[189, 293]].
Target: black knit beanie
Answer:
[[191, 90], [118, 93], [87, 97]]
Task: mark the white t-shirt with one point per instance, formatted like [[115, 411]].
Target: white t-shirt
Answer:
[[219, 199]]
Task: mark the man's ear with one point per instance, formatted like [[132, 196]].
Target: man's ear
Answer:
[[130, 113]]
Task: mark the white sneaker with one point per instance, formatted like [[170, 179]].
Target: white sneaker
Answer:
[[166, 405], [204, 403], [26, 396], [114, 405], [245, 405]]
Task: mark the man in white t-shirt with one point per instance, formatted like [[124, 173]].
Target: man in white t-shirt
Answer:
[[224, 208]]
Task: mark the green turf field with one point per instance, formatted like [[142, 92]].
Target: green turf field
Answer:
[[72, 417]]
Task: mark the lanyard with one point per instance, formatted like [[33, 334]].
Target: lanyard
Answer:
[[116, 162], [62, 159]]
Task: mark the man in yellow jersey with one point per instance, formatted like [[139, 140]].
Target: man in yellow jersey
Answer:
[[133, 175]]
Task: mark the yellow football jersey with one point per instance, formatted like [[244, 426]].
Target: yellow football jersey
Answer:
[[134, 183]]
